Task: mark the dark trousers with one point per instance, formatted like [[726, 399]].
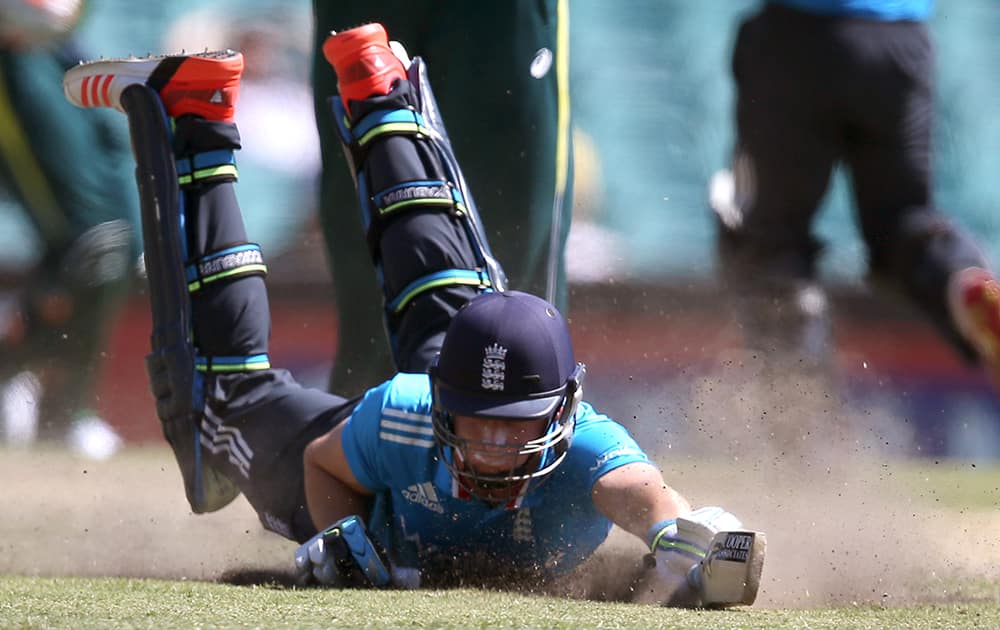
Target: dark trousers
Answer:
[[814, 91]]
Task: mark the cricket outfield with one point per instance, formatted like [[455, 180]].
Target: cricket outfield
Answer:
[[861, 543]]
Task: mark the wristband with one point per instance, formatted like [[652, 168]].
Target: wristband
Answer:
[[666, 527]]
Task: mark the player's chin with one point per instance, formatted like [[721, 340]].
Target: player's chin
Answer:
[[495, 493], [493, 480]]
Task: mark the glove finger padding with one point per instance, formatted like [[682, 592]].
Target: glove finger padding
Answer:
[[697, 562], [343, 556], [730, 572]]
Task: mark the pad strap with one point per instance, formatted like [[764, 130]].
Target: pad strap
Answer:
[[237, 261], [388, 122], [437, 280], [377, 209], [221, 365], [382, 122], [421, 192], [210, 166]]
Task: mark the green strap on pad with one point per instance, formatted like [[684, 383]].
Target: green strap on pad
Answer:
[[226, 365], [439, 186], [437, 280], [228, 263], [210, 166], [380, 207]]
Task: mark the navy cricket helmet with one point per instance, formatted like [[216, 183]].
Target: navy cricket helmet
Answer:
[[506, 356]]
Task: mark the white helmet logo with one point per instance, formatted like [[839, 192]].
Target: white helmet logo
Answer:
[[494, 367]]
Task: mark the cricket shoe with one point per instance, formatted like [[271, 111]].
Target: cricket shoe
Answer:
[[974, 300], [729, 574], [365, 62], [203, 84]]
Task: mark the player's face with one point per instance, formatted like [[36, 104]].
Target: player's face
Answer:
[[493, 446]]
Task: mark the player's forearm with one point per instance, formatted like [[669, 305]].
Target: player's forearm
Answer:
[[635, 498], [328, 498]]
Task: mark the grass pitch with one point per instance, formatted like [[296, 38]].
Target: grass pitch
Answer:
[[854, 543], [114, 603]]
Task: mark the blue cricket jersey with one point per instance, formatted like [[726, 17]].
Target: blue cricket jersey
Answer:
[[886, 10], [423, 522]]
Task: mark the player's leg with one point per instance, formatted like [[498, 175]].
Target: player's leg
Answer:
[[785, 152], [519, 165], [362, 353], [913, 247], [85, 215], [421, 224], [234, 423]]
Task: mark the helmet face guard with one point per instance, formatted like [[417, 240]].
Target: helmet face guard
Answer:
[[530, 461]]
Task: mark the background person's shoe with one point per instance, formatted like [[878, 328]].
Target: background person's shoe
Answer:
[[974, 300]]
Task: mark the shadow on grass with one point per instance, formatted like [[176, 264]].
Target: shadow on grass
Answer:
[[607, 578]]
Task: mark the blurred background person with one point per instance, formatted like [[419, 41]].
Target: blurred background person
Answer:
[[825, 82], [58, 307], [501, 61]]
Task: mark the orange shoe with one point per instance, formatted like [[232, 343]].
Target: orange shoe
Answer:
[[974, 298], [364, 62], [204, 84]]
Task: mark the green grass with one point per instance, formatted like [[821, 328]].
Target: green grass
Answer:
[[953, 484], [121, 603], [128, 517]]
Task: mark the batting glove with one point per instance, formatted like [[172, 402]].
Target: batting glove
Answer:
[[343, 556], [679, 545]]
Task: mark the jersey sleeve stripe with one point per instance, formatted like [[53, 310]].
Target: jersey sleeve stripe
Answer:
[[403, 439], [406, 428], [419, 418]]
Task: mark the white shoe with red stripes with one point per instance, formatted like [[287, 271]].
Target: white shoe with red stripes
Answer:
[[203, 84]]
